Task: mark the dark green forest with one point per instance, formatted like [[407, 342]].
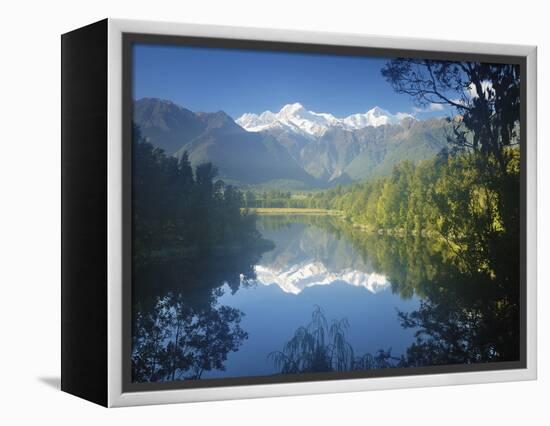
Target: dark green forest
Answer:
[[180, 212], [189, 235]]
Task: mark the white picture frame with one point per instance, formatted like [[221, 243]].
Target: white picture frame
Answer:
[[116, 394]]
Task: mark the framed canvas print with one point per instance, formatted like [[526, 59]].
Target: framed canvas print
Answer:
[[251, 213]]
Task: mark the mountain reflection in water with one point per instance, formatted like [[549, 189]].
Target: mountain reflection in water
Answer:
[[313, 265], [388, 301], [306, 256]]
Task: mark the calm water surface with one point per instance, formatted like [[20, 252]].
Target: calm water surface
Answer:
[[312, 266]]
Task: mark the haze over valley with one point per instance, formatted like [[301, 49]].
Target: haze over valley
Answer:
[[293, 148]]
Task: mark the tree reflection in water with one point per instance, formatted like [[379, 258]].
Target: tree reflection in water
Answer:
[[189, 238], [322, 347], [179, 330], [469, 309], [176, 341]]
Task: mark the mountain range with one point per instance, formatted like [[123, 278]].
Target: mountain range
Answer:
[[295, 278], [293, 148], [295, 118], [306, 256]]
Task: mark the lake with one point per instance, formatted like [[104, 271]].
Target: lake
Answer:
[[312, 266], [316, 294]]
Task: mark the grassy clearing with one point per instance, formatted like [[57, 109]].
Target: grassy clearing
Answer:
[[288, 210]]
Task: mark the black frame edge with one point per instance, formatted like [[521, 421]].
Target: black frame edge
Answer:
[[84, 212]]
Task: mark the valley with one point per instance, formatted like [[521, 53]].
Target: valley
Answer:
[[294, 149]]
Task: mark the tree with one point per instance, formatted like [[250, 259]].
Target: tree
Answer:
[[177, 212], [486, 97], [177, 341], [250, 199]]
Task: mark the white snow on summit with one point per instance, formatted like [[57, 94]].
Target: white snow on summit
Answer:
[[296, 278], [292, 116], [296, 118], [374, 117]]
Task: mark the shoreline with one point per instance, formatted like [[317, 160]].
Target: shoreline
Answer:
[[291, 210], [393, 232]]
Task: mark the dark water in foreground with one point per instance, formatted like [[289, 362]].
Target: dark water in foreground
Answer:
[[319, 295]]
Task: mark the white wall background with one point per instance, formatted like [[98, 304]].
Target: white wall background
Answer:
[[30, 210]]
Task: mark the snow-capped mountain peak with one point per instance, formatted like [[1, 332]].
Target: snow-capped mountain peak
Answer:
[[295, 278], [291, 109], [297, 119], [374, 117], [293, 117]]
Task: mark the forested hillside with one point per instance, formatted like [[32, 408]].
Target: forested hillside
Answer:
[[182, 213], [287, 158]]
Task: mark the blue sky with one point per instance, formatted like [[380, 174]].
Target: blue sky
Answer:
[[238, 81]]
